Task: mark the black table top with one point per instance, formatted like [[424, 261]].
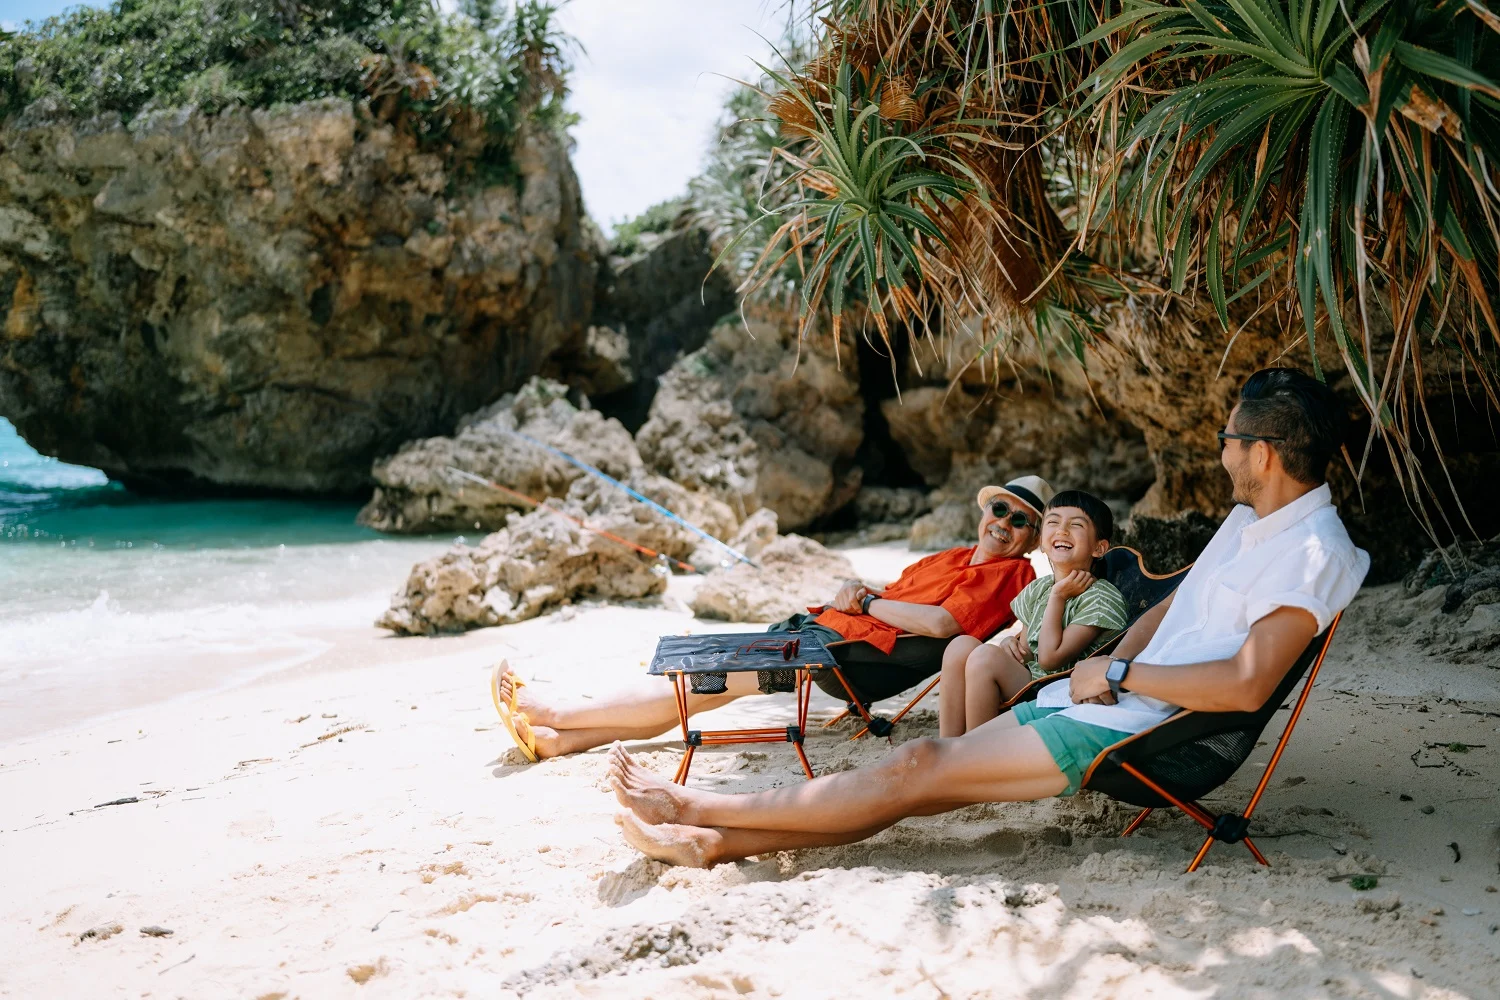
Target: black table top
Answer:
[[732, 652]]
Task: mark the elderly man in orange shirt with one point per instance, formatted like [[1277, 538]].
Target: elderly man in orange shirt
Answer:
[[961, 590]]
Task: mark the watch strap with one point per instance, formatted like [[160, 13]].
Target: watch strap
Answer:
[[1115, 680], [864, 604]]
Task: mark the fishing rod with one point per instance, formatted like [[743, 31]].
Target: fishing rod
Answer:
[[567, 517], [645, 500]]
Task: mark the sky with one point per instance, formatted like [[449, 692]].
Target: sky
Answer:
[[648, 87]]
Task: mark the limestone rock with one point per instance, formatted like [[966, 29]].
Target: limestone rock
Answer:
[[419, 492], [794, 572], [747, 420], [1168, 544], [965, 440], [945, 526], [758, 531], [416, 491], [664, 302], [890, 505], [597, 364], [1173, 371], [271, 298], [536, 562]]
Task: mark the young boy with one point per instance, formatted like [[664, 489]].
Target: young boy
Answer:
[[1064, 617]]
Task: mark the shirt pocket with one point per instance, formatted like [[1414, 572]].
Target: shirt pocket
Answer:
[[1226, 610]]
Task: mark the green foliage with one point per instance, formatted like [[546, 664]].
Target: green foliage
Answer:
[[1326, 166], [659, 218], [1363, 882], [475, 75]]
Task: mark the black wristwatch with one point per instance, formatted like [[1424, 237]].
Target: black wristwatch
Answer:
[[864, 604], [1118, 668]]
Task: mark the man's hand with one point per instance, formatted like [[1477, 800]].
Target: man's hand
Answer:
[[1088, 685], [1073, 584], [848, 598]]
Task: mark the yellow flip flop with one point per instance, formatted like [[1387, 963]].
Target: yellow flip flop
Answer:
[[508, 713]]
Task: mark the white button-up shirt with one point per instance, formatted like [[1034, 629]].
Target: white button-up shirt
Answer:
[[1299, 556]]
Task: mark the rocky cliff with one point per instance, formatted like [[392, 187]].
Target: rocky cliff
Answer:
[[274, 298], [759, 420]]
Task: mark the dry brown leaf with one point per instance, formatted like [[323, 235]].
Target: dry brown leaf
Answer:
[[896, 103], [1430, 113]]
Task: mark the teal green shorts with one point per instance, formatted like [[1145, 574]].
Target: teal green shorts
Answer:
[[1072, 744]]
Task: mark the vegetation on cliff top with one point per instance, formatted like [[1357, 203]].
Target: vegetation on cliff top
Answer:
[[476, 74], [1329, 166]]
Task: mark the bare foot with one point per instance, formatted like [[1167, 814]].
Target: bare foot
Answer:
[[686, 846], [539, 713], [644, 792]]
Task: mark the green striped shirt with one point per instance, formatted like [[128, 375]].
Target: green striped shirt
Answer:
[[1101, 606]]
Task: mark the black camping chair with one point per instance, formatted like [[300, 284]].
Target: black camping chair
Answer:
[[1123, 566], [1183, 758]]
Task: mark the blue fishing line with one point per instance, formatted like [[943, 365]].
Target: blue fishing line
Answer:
[[645, 500]]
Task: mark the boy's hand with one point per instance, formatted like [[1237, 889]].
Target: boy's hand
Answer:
[[1073, 584], [1011, 646]]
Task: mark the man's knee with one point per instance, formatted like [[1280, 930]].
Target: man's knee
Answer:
[[912, 765], [918, 756]]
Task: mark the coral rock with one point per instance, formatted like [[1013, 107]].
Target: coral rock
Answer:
[[747, 420], [536, 562], [794, 572], [271, 298]]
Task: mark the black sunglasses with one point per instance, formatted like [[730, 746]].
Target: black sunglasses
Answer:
[[1018, 517], [1226, 436]]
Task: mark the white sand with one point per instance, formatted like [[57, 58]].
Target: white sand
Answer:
[[414, 857]]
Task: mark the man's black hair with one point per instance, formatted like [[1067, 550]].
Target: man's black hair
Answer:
[[1304, 413], [1097, 510]]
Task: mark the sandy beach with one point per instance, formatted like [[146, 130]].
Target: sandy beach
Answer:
[[360, 827]]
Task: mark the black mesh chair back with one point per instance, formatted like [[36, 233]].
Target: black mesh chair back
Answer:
[[1124, 567], [1192, 753], [1189, 755]]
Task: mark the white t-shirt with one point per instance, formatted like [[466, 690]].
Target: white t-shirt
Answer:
[[1299, 556]]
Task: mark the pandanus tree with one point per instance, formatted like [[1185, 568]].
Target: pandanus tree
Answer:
[[1019, 168]]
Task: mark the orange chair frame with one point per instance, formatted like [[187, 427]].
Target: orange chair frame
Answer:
[[1195, 810]]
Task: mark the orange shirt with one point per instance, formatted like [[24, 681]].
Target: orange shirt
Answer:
[[978, 597]]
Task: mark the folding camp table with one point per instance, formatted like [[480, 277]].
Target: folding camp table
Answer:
[[679, 656]]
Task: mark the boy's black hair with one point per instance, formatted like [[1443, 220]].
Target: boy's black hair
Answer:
[[1097, 510], [1301, 412]]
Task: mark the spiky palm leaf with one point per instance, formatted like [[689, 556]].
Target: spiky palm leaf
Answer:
[[1332, 163]]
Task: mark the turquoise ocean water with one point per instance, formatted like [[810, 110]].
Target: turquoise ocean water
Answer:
[[109, 599]]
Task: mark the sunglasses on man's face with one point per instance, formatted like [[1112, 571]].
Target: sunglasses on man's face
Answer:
[[1226, 436], [1018, 517]]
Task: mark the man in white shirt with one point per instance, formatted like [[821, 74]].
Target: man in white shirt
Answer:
[[1273, 577]]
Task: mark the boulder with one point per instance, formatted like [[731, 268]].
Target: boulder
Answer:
[[1168, 543], [664, 302], [1173, 371], [750, 420], [945, 526], [794, 572], [416, 490], [890, 505], [419, 492], [272, 299], [536, 562], [758, 531], [979, 428]]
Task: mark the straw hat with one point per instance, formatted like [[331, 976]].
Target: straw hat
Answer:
[[1031, 492]]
